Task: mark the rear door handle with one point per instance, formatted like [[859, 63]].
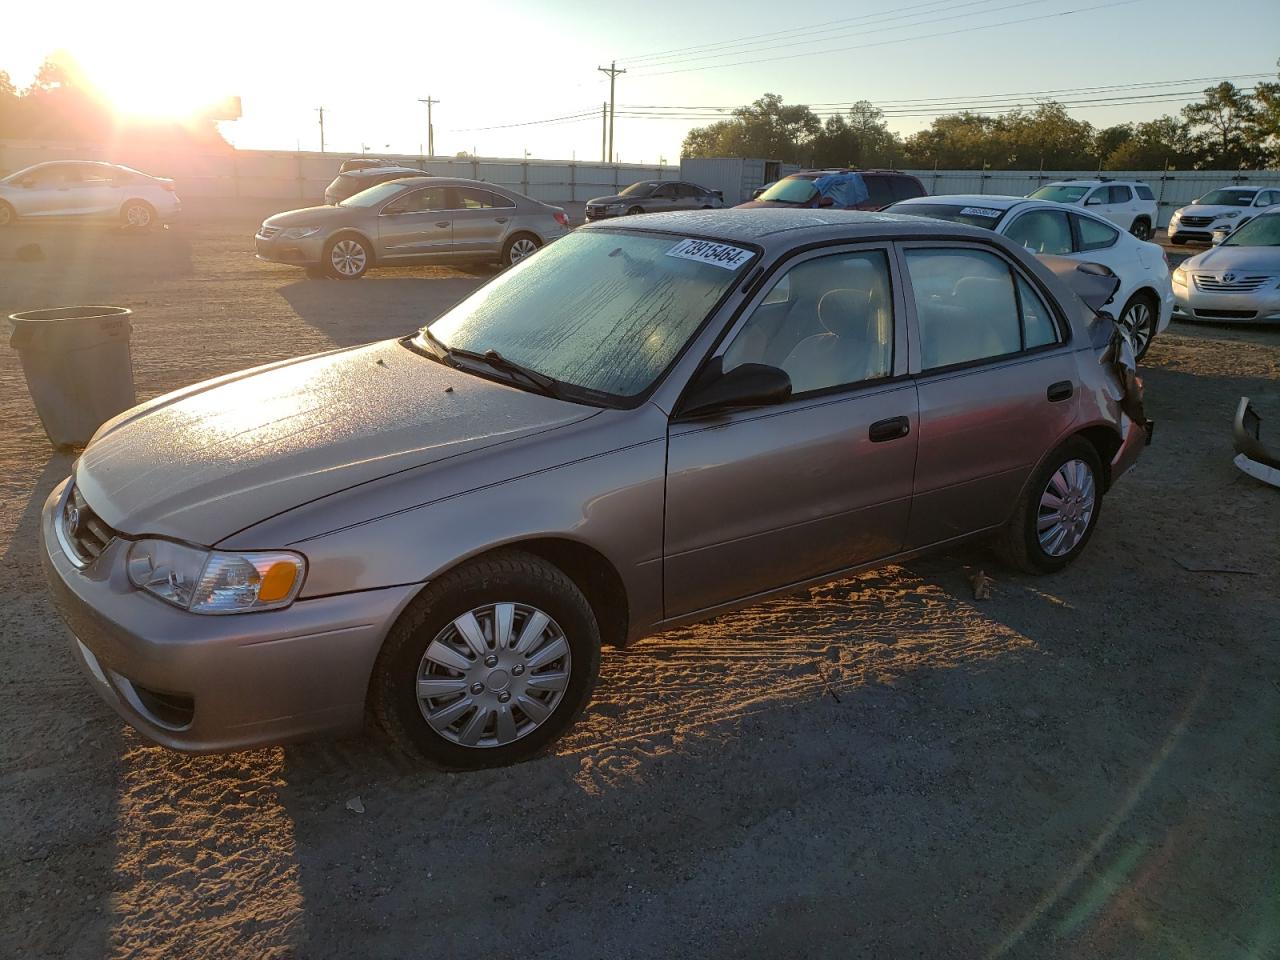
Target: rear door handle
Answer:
[[1062, 390], [890, 429], [500, 219]]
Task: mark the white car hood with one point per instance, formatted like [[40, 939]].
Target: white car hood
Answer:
[[1254, 260], [1211, 210], [207, 461]]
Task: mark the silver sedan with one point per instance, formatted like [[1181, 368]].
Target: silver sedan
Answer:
[[643, 425], [408, 221], [1238, 280]]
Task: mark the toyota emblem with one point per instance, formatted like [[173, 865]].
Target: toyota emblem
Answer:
[[1229, 277], [72, 519]]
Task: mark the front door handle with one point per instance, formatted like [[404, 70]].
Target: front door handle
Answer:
[[443, 223], [890, 429], [500, 219], [1062, 390]]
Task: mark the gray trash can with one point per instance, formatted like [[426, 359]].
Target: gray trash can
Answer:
[[78, 367]]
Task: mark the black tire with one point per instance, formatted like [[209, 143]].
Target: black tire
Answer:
[[1141, 228], [1018, 542], [509, 576], [7, 215], [1144, 327], [635, 211], [137, 215], [518, 244], [347, 267]]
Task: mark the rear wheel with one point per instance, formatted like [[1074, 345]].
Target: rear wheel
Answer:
[[1141, 228], [1139, 318], [490, 665], [519, 247], [346, 257], [1058, 511], [137, 215]]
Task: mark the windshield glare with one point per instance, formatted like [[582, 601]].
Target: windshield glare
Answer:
[[790, 190], [639, 190], [973, 215], [1226, 198], [1259, 232], [374, 195], [605, 313], [1059, 194]]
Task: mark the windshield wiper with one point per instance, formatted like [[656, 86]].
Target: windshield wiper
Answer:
[[549, 386]]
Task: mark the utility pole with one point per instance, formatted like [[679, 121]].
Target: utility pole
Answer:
[[431, 131], [320, 110], [613, 71], [604, 133]]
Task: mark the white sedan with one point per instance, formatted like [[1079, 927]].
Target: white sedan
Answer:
[[87, 189], [1145, 294]]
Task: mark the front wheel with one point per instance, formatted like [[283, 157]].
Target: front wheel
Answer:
[[346, 258], [519, 247], [7, 216], [1058, 511], [1141, 228], [635, 211], [489, 665], [1138, 319]]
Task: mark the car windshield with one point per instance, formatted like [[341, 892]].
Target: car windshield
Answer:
[[373, 196], [603, 313], [974, 214], [639, 190], [790, 190], [1226, 198], [1259, 232], [1059, 194]]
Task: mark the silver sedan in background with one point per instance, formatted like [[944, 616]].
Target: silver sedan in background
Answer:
[[408, 221], [1238, 280], [87, 189]]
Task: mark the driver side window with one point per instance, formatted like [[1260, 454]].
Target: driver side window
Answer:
[[827, 322], [419, 201]]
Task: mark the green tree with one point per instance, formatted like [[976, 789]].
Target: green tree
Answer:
[[767, 128], [1222, 126], [858, 138], [1154, 145]]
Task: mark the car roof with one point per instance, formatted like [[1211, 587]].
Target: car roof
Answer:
[[993, 201], [757, 225], [1243, 186], [1095, 182], [425, 179], [382, 169]]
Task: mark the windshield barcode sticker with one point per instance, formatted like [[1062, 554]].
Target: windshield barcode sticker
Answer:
[[980, 212], [717, 254]]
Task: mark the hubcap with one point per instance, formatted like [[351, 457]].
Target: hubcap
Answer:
[[348, 258], [138, 216], [522, 248], [1137, 321], [493, 675], [1066, 508]]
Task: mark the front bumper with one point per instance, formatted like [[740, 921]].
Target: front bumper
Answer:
[[1192, 303], [601, 213], [210, 683], [306, 252], [1200, 229]]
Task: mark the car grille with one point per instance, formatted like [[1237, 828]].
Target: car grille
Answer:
[[1195, 221], [593, 212], [83, 530], [1211, 284], [266, 233], [1226, 314]]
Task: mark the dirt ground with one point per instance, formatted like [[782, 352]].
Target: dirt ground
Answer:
[[1085, 765]]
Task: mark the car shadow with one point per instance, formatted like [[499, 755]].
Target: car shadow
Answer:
[[375, 308]]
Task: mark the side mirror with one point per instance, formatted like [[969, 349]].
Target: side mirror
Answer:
[[1094, 201], [749, 385], [826, 202]]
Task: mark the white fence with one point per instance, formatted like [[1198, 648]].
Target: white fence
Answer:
[[1173, 188], [302, 176]]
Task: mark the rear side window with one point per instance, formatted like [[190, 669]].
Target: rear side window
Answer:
[[1095, 235], [1038, 328], [469, 199], [1144, 192], [879, 192], [905, 188], [966, 306]]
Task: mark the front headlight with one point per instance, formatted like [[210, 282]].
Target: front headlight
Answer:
[[297, 233], [213, 581], [1179, 276]]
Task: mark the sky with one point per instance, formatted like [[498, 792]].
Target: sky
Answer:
[[499, 67]]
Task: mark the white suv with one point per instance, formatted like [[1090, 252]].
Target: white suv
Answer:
[[1129, 204], [1226, 209]]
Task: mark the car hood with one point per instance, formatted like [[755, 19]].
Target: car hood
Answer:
[[1209, 210], [207, 461], [1258, 259], [311, 216], [615, 199]]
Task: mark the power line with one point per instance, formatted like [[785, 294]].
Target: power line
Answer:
[[882, 43]]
